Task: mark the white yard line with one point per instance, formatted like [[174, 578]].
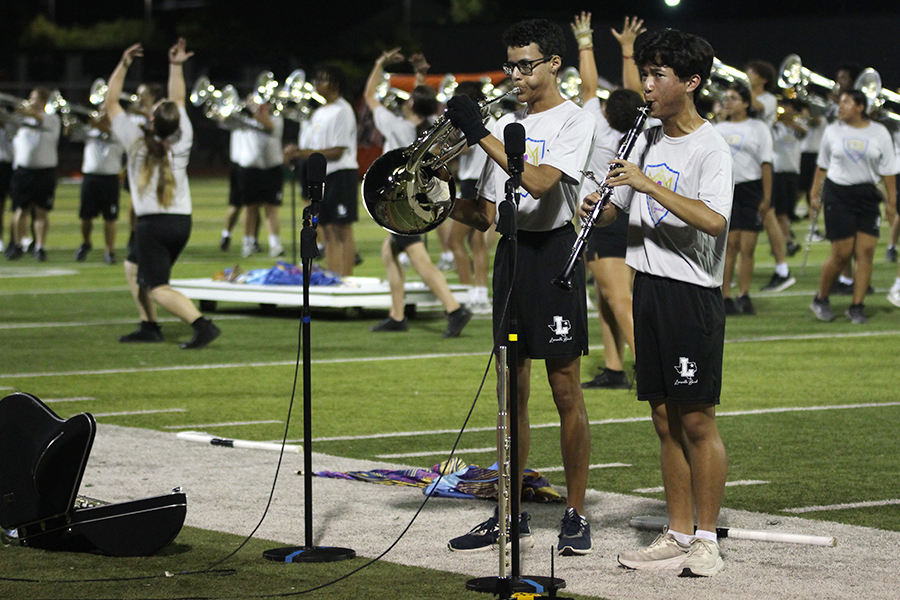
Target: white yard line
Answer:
[[848, 505], [230, 424], [658, 490]]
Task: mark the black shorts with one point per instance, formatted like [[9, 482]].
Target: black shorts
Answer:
[[250, 185], [5, 179], [234, 191], [340, 202], [679, 338], [610, 241], [808, 168], [745, 210], [784, 192], [850, 209], [401, 242], [159, 240], [552, 323], [99, 195], [33, 187]]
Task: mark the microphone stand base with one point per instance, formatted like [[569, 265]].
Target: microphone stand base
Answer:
[[303, 554], [505, 587]]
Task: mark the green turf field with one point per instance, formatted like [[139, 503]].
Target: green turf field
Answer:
[[810, 410]]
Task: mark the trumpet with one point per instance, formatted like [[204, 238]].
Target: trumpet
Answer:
[[564, 279], [396, 185], [98, 91]]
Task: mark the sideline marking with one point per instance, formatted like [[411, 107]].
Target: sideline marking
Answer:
[[436, 453], [15, 273], [139, 412], [102, 323], [123, 288], [657, 490], [808, 509], [598, 466], [77, 399], [207, 425]]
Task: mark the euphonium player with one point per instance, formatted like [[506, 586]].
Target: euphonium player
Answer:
[[559, 139], [678, 192]]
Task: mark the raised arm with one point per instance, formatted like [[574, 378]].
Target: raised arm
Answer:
[[631, 76], [177, 57], [587, 66], [116, 82], [386, 58], [420, 67]]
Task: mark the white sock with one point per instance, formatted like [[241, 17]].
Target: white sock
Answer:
[[274, 240], [896, 285], [782, 269], [707, 535], [226, 233], [682, 538], [447, 256], [846, 280]]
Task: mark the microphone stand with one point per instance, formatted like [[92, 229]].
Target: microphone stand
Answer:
[[505, 586], [294, 213], [308, 553]]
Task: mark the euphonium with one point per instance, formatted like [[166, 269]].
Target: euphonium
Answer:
[[396, 186]]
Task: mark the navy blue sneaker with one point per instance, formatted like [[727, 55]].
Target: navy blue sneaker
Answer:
[[484, 536], [574, 535]]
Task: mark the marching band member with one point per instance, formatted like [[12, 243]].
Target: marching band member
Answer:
[[161, 197], [678, 193], [856, 153], [559, 142], [33, 183]]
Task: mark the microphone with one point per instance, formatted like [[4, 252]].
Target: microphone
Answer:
[[315, 175], [514, 142]]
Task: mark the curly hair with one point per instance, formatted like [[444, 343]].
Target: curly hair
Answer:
[[549, 37]]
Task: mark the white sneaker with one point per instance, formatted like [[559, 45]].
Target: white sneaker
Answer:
[[276, 250], [664, 553], [894, 297], [703, 559], [2, 247], [247, 248], [403, 259], [481, 308]]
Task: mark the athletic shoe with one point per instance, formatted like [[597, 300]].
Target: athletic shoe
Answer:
[[14, 252], [456, 321], [778, 283], [28, 245], [821, 307], [149, 331], [856, 315], [445, 263], [481, 308], [276, 251], [608, 380], [403, 259], [390, 324], [204, 333], [842, 289], [731, 308], [357, 259], [484, 536], [82, 252], [247, 249], [891, 254], [109, 258], [574, 535], [664, 553], [817, 236], [1, 246], [792, 248], [703, 559], [40, 255], [256, 247], [225, 243], [744, 305], [894, 297]]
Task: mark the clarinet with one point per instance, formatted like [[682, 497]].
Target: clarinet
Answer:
[[564, 279]]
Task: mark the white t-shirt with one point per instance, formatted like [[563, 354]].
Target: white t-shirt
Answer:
[[332, 126], [562, 137], [697, 165], [131, 136], [34, 145], [471, 163], [750, 141], [854, 155], [606, 145], [770, 108], [787, 148], [102, 154], [254, 147], [397, 131]]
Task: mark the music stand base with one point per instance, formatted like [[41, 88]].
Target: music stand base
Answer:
[[302, 554], [524, 584]]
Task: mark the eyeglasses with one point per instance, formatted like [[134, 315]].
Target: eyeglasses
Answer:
[[525, 67]]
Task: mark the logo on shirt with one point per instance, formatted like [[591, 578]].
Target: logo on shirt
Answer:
[[667, 178], [855, 149], [686, 371], [734, 141], [560, 328], [534, 152]]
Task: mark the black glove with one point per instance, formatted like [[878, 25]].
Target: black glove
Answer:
[[466, 115]]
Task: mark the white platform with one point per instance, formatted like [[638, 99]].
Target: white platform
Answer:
[[356, 293]]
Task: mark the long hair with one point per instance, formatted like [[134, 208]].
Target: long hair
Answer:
[[165, 122]]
